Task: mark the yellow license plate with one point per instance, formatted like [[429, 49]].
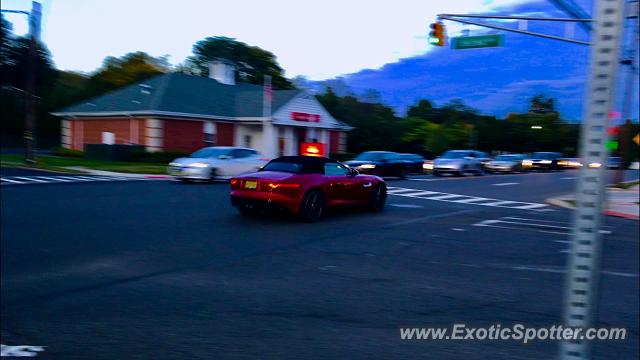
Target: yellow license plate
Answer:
[[250, 184]]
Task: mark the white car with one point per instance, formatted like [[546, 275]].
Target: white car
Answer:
[[459, 162], [217, 162]]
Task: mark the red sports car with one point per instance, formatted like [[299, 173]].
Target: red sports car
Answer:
[[306, 186]]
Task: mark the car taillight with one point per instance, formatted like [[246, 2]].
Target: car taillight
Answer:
[[235, 183]]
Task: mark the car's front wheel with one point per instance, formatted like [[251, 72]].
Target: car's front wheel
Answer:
[[312, 206], [378, 198]]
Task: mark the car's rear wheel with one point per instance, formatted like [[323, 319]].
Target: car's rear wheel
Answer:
[[312, 206], [378, 198]]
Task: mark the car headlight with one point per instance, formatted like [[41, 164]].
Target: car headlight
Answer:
[[427, 166], [545, 161], [594, 165], [367, 166], [199, 165], [174, 164], [527, 162]]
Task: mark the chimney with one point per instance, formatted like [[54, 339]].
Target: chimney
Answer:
[[223, 71]]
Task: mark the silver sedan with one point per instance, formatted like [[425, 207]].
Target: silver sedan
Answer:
[[218, 162]]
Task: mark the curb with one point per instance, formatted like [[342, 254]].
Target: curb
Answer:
[[563, 203], [621, 214]]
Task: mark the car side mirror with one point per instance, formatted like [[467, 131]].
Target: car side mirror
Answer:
[[353, 172]]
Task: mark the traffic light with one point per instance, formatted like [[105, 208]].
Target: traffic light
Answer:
[[436, 37]]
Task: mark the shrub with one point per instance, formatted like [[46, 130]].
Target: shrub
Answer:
[[156, 157], [61, 151]]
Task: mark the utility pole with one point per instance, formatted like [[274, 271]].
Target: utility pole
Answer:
[[35, 17], [584, 260], [30, 114]]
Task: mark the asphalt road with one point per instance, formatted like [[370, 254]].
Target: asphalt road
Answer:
[[162, 270]]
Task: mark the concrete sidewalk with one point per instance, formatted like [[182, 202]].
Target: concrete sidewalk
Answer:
[[119, 174], [620, 202]]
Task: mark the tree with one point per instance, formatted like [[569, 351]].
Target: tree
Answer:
[[252, 63], [540, 104], [423, 110], [131, 68]]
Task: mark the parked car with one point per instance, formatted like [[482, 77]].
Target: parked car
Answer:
[[614, 162], [459, 162], [306, 186], [542, 161], [217, 162], [506, 163], [415, 163], [380, 163]]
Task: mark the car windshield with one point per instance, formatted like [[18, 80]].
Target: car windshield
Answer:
[[544, 155], [210, 152], [369, 156], [283, 166], [454, 155], [507, 157]]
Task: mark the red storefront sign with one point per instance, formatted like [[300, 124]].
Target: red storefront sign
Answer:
[[300, 116], [312, 149]]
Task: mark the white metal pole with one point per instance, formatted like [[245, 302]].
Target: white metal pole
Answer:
[[584, 259]]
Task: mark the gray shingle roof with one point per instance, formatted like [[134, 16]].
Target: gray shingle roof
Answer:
[[179, 93]]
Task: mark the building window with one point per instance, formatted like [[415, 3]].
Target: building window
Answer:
[[343, 142], [247, 141]]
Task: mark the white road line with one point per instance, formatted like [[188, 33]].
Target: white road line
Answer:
[[421, 193], [52, 178], [568, 178], [11, 181], [399, 190], [29, 179], [73, 178], [499, 203], [466, 201], [531, 206], [444, 197], [506, 184]]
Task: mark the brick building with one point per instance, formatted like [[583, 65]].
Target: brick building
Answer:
[[177, 112]]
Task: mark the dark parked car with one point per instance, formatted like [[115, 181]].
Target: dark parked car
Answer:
[[415, 163], [542, 161], [380, 163]]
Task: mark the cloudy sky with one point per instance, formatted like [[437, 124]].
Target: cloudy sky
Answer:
[[317, 39]]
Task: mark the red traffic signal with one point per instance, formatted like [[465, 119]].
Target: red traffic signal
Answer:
[[437, 35]]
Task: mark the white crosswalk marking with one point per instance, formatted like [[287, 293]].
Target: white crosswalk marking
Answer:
[[465, 199], [11, 181], [29, 179], [52, 179]]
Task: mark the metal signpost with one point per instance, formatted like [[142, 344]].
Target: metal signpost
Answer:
[[584, 260]]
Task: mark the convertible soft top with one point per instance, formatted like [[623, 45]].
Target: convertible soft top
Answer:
[[310, 164]]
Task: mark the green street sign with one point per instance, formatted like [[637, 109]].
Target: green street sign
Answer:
[[474, 42]]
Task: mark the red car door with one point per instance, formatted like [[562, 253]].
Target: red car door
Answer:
[[340, 184]]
